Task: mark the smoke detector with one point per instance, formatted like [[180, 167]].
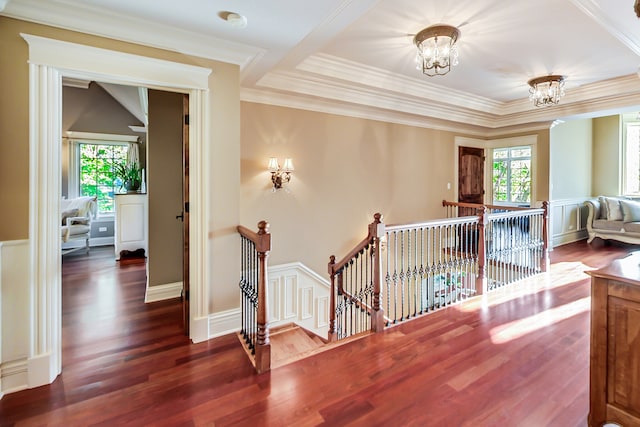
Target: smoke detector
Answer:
[[236, 20]]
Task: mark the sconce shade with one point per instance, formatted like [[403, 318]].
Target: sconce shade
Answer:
[[273, 164], [288, 165]]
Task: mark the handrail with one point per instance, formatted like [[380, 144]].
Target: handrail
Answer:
[[423, 266], [253, 285], [355, 291], [430, 223]]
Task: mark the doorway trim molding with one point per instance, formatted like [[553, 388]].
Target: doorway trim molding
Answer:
[[488, 145], [49, 61]]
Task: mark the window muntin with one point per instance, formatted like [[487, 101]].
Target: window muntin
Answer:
[[511, 175], [96, 172]]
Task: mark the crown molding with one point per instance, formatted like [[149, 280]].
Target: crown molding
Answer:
[[302, 102], [91, 20], [356, 73], [318, 87]]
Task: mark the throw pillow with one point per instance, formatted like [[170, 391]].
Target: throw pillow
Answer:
[[614, 211], [630, 210], [68, 214]]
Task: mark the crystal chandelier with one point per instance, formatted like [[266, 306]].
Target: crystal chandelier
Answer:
[[437, 50], [546, 90]]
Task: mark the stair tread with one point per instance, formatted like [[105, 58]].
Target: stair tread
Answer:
[[295, 344]]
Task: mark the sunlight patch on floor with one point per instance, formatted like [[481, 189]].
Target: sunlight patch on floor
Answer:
[[518, 328], [559, 274]]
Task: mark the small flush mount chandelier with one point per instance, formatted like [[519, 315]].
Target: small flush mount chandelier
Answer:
[[280, 176], [546, 90], [437, 49]]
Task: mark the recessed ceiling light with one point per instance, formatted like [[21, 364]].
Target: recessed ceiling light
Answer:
[[237, 20]]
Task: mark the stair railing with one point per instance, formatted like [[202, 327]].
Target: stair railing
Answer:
[[515, 240], [430, 265], [255, 247], [400, 272], [355, 287]]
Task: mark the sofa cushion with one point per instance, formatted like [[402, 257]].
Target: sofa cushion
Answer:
[[603, 224], [601, 213], [632, 227], [630, 210], [614, 211]]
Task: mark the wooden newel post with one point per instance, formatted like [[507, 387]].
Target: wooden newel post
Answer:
[[377, 232], [545, 262], [333, 336], [263, 345], [481, 278]]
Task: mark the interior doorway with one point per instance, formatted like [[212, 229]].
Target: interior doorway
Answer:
[[117, 288], [49, 61], [470, 177]]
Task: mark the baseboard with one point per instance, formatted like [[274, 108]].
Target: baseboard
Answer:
[[565, 238], [162, 292], [14, 376], [93, 241], [224, 322]]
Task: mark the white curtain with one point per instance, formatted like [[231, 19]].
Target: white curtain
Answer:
[[132, 154]]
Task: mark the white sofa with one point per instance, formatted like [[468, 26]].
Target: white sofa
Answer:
[[76, 216], [614, 218]]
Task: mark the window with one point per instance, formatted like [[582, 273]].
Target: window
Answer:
[[96, 168], [512, 175], [631, 177]]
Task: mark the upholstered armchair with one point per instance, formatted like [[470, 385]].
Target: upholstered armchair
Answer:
[[76, 217]]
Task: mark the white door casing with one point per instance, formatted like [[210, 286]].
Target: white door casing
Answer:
[[49, 61]]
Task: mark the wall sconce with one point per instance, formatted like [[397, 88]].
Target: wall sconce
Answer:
[[280, 175]]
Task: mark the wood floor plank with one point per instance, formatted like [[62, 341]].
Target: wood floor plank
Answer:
[[516, 357]]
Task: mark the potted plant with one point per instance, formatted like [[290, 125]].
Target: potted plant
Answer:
[[131, 176]]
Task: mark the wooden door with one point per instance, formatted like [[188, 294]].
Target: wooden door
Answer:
[[185, 226], [470, 177]]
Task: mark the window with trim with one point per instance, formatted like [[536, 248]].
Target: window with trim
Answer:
[[511, 175], [631, 178], [96, 172]]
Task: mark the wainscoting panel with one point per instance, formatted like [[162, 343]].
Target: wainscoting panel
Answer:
[[301, 293], [568, 219], [322, 321], [274, 299], [289, 296], [14, 315], [306, 303]]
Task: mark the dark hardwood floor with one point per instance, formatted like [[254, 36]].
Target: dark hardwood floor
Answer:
[[517, 357]]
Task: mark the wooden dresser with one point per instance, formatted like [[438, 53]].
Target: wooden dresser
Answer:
[[615, 343]]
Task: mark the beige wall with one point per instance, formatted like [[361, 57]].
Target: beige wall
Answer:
[[224, 146], [164, 188], [346, 170], [606, 156], [571, 159]]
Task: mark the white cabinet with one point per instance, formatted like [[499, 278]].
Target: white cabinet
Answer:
[[131, 223]]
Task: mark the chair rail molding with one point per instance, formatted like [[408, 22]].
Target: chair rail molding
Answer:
[[49, 61]]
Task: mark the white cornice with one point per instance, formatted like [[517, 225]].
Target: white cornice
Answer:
[[301, 102], [356, 73], [96, 22], [315, 86]]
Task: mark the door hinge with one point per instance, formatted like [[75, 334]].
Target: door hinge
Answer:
[[186, 207], [186, 119], [186, 295]]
